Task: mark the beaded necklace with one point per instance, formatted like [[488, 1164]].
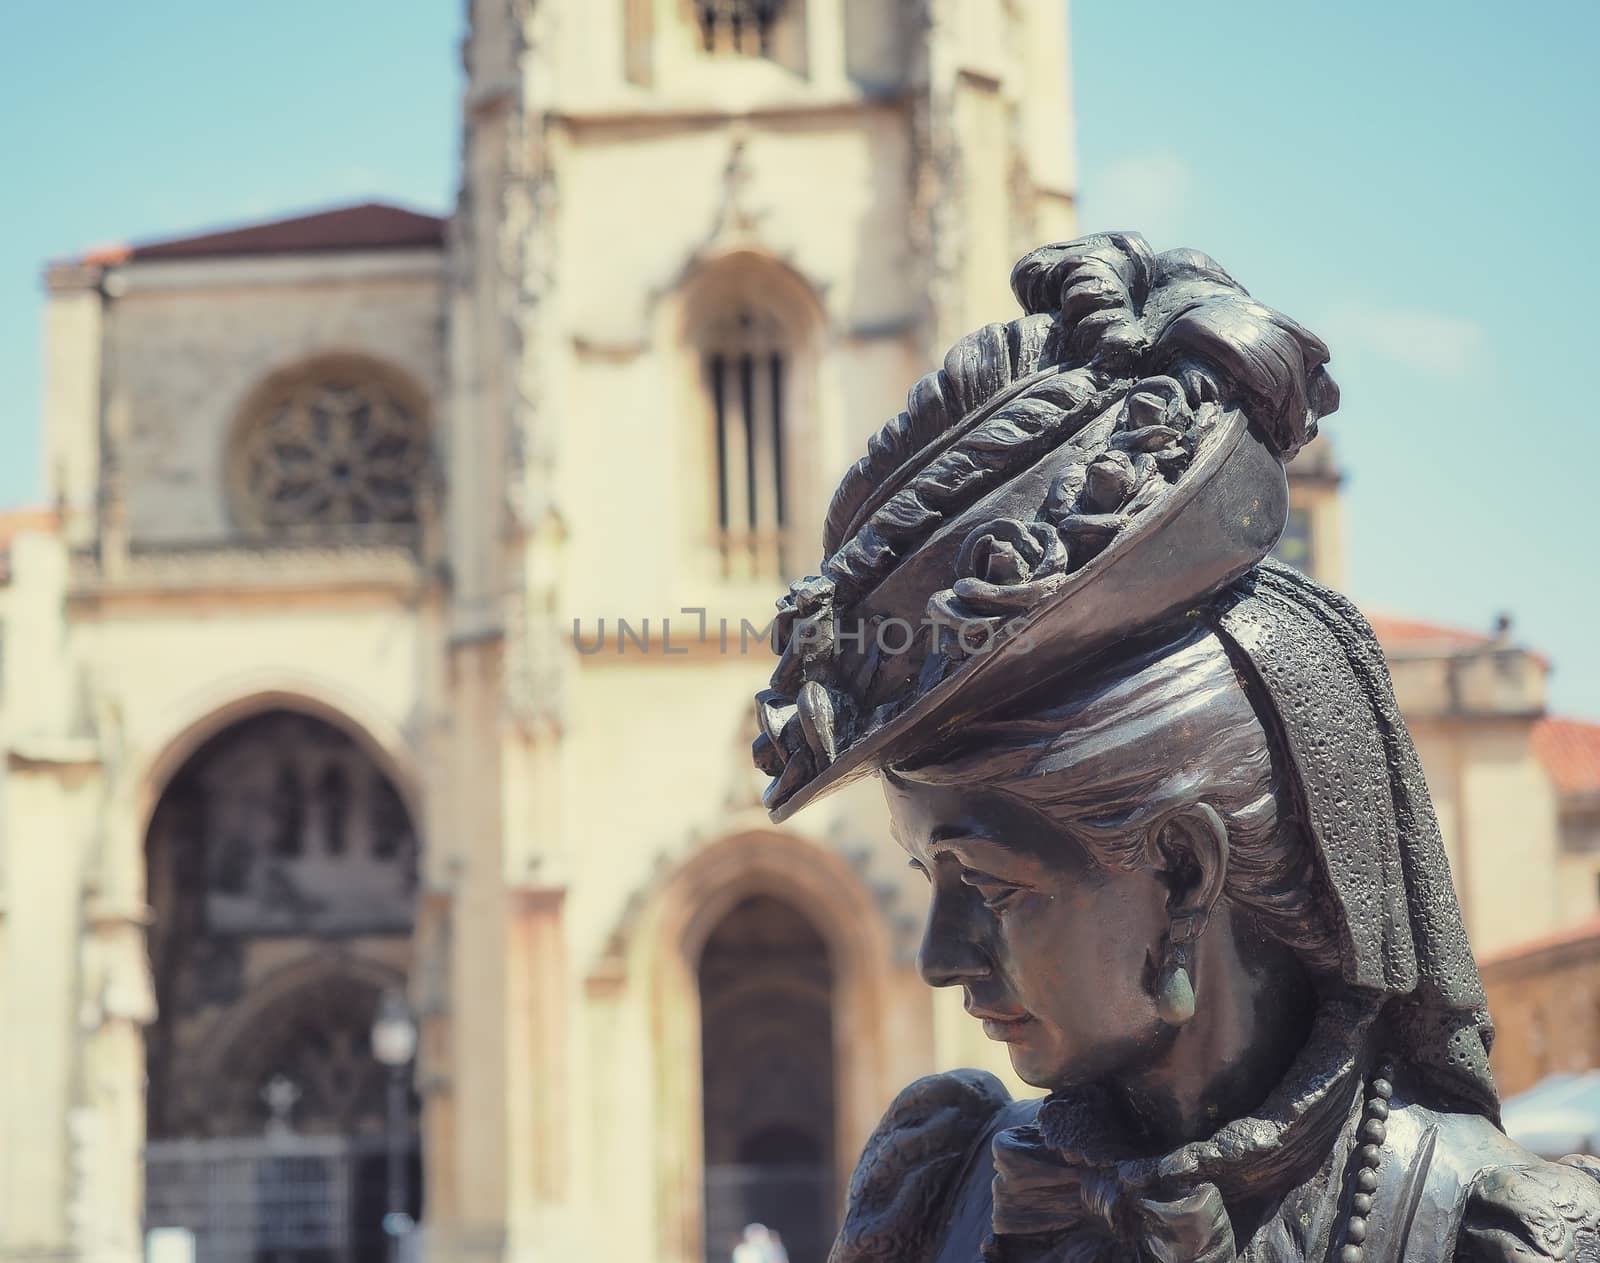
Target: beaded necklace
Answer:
[[1374, 1130]]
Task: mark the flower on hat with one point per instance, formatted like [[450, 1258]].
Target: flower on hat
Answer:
[[1005, 568]]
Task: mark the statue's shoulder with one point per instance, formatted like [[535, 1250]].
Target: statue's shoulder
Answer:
[[1533, 1210], [906, 1182], [1479, 1197]]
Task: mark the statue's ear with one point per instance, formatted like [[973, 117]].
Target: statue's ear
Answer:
[[1191, 851]]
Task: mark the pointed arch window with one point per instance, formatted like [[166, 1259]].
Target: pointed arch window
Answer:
[[746, 363]]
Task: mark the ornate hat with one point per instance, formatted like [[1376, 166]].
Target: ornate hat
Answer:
[[1064, 482]]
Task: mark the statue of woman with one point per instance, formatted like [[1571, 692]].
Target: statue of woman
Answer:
[[1181, 858]]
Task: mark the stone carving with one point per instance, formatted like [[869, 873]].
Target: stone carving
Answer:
[[287, 827], [314, 1039], [1182, 858]]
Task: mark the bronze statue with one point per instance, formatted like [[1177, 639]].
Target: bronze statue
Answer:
[[1181, 855]]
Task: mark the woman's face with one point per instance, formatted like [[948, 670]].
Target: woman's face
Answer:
[[1056, 956]]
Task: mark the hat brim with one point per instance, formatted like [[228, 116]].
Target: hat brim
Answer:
[[1220, 519]]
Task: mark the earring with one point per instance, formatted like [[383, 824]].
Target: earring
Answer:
[[1174, 986]]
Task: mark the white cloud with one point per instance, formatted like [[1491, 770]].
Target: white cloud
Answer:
[[1433, 343], [1142, 193]]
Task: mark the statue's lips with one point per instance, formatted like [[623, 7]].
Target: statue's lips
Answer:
[[1002, 1025]]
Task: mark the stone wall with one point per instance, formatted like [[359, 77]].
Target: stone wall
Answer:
[[186, 344], [1545, 1001]]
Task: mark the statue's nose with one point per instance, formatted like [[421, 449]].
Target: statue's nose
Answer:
[[951, 954]]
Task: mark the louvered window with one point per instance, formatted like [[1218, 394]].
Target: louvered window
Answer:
[[738, 26], [746, 370]]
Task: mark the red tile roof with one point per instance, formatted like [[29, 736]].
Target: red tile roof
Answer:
[[1570, 752], [1409, 633], [369, 226], [14, 522], [1581, 935], [1410, 637]]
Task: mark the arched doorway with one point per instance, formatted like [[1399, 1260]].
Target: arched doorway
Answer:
[[282, 874], [768, 1091], [871, 1000]]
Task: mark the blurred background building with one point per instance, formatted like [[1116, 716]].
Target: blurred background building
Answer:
[[381, 669]]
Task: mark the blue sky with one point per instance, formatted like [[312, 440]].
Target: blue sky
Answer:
[[1416, 182]]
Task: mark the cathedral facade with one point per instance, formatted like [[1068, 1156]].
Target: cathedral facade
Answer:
[[394, 632]]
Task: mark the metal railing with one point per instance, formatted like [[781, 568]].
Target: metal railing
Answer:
[[272, 1199]]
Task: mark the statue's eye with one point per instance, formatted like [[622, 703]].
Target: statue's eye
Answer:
[[996, 894], [998, 898]]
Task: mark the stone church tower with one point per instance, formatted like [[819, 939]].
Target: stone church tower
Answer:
[[394, 632], [701, 251]]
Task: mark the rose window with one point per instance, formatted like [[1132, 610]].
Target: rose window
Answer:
[[328, 451]]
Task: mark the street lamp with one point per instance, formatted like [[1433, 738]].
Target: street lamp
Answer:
[[394, 1044]]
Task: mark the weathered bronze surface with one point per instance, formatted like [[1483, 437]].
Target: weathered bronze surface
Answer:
[[1181, 856]]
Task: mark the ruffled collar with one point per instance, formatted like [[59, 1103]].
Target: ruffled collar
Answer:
[[1071, 1175]]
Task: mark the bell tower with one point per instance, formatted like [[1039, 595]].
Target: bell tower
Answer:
[[843, 184], [701, 246]]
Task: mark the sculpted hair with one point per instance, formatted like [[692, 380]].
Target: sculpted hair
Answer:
[[1108, 755]]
